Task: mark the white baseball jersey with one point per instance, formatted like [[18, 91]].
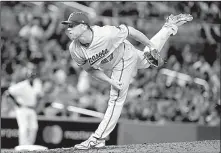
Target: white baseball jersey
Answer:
[[24, 93], [106, 48]]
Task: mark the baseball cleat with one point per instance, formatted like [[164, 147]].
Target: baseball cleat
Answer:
[[179, 20], [92, 142]]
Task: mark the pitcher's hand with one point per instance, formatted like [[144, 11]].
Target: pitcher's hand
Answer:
[[116, 84]]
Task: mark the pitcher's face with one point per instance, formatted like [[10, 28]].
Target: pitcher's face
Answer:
[[74, 30]]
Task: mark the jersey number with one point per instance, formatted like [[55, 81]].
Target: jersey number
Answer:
[[108, 59]]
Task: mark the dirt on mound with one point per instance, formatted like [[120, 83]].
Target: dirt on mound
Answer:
[[208, 146]]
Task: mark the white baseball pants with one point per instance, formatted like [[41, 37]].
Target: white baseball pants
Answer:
[[27, 125]]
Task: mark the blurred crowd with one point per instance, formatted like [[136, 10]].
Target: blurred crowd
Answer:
[[33, 39], [207, 11]]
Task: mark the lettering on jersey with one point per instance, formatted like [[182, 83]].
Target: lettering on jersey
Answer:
[[97, 56], [108, 59]]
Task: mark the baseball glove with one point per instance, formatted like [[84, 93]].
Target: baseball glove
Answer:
[[154, 58]]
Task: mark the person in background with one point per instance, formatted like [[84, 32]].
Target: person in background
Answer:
[[25, 95]]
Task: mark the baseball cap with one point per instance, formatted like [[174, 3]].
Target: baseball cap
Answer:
[[78, 17]]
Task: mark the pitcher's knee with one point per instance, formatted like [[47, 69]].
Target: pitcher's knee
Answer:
[[119, 100]]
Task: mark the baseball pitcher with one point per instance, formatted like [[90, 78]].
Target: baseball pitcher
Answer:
[[106, 54]]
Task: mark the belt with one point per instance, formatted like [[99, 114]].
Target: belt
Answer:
[[19, 105], [31, 107]]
